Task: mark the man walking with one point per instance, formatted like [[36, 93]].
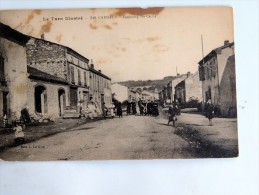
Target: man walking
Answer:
[[172, 112]]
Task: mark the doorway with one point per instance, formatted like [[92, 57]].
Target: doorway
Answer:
[[40, 99], [61, 101]]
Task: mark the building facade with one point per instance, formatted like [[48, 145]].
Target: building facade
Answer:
[[147, 95], [189, 89], [45, 77], [171, 89], [13, 72], [68, 87], [218, 79], [100, 87]]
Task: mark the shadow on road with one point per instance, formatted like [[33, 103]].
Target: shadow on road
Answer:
[[195, 125], [205, 148]]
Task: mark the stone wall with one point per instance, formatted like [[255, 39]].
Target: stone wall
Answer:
[[15, 73], [52, 96], [193, 88], [228, 89], [47, 57]]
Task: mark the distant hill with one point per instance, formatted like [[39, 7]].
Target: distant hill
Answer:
[[149, 85]]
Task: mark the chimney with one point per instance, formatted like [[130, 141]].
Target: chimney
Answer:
[[188, 74], [178, 74], [226, 43], [42, 36], [100, 71], [91, 64]]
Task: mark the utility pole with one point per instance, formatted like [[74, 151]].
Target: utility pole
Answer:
[[202, 50]]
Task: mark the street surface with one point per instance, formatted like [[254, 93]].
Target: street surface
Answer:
[[134, 137]]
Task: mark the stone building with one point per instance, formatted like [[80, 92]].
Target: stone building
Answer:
[[13, 72], [66, 83], [161, 97], [148, 95], [100, 87], [46, 77], [189, 89], [171, 86], [217, 73]]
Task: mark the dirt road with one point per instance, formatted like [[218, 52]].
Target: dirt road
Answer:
[[135, 137], [130, 137]]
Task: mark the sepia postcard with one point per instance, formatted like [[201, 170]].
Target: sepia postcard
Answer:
[[117, 84]]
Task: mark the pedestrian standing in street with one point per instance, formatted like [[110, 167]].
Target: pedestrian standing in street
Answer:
[[156, 111], [112, 107], [19, 134], [149, 108], [209, 111], [128, 107], [145, 108], [172, 112], [105, 110], [141, 107], [119, 110], [133, 105]]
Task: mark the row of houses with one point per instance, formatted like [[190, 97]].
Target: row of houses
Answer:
[[46, 77], [123, 93], [215, 80], [183, 88]]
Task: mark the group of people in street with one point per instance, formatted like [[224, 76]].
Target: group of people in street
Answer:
[[140, 107], [90, 110], [148, 108], [209, 111], [143, 108]]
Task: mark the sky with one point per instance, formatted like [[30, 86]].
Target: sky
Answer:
[[132, 43]]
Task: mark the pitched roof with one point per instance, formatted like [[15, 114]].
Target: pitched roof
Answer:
[[99, 73], [13, 35], [214, 51], [37, 74]]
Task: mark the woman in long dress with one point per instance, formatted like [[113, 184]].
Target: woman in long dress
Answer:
[[119, 110], [209, 111]]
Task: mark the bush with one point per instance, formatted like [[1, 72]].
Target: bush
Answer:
[[193, 103]]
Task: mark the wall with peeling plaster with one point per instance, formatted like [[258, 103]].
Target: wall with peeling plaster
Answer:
[[52, 96], [15, 64]]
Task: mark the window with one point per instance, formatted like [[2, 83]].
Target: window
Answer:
[[85, 79], [79, 77], [201, 73], [72, 74], [2, 76]]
